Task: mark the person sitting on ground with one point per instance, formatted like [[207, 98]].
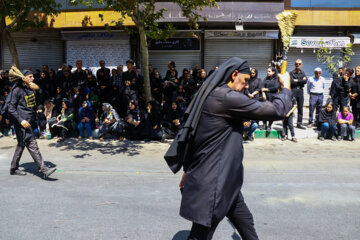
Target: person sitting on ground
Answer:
[[50, 112], [153, 129], [65, 121], [134, 122], [327, 121], [249, 128], [110, 121], [173, 121], [288, 124], [86, 120], [345, 121]]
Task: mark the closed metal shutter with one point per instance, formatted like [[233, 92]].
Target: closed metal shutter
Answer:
[[258, 53], [113, 52], [355, 60], [182, 59], [310, 62], [36, 49]]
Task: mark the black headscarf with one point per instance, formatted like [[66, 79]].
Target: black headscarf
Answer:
[[329, 117], [179, 150]]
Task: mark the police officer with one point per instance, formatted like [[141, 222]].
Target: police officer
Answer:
[[298, 81], [21, 108]]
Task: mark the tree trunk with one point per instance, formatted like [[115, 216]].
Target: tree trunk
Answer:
[[145, 61], [9, 41]]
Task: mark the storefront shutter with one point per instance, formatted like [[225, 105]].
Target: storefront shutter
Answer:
[[113, 52], [182, 59], [36, 49], [258, 53]]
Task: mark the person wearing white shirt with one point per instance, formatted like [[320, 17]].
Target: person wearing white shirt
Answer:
[[315, 87]]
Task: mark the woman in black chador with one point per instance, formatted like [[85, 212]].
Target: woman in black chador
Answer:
[[207, 147], [270, 88]]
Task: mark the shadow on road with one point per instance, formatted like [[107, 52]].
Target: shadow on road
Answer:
[[131, 148], [181, 235], [31, 168]]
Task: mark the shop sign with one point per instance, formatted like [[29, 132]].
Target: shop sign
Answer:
[[257, 34], [317, 42], [175, 44], [95, 35]]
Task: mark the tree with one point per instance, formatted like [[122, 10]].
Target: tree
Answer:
[[146, 17], [18, 15], [325, 56]]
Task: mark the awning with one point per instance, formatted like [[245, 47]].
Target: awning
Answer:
[[317, 42]]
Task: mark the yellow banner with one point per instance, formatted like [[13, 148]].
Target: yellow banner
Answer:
[[81, 19], [328, 18]]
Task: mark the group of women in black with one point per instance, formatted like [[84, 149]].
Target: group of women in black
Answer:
[[78, 102]]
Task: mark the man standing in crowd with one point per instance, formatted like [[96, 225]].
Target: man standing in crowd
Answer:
[[104, 69], [80, 79], [298, 81], [22, 109], [209, 148], [315, 87], [130, 75]]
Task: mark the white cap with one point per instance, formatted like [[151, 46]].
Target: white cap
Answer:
[[317, 69]]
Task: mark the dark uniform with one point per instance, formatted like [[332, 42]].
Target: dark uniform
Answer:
[[213, 158], [22, 106], [339, 92], [298, 92]]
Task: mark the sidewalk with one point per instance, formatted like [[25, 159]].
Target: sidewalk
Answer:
[[276, 130]]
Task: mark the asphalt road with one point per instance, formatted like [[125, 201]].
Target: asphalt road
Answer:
[[124, 190]]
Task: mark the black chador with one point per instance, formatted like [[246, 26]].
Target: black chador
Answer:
[[209, 148], [21, 107]]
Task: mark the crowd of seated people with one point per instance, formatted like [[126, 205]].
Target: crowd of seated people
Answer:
[[111, 103]]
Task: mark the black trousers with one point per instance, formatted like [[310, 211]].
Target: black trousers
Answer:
[[34, 152], [288, 124], [298, 94], [239, 215]]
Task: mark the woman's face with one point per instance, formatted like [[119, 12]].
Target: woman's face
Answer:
[[345, 112], [43, 75], [149, 106], [131, 106], [84, 105], [270, 72], [157, 75], [357, 72], [64, 105], [329, 108], [58, 90], [103, 108], [253, 73], [203, 74], [174, 106]]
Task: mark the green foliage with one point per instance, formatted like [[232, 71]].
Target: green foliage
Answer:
[[19, 11], [325, 56]]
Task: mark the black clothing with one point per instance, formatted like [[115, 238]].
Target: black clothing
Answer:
[[300, 76], [80, 81], [133, 132], [254, 85], [328, 117], [106, 72], [339, 91], [239, 215], [22, 107], [213, 157], [355, 103], [153, 122], [272, 83], [297, 91]]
